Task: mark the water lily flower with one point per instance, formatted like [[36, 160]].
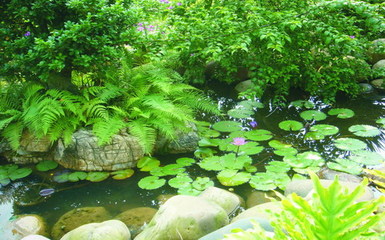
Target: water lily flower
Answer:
[[239, 141], [253, 124]]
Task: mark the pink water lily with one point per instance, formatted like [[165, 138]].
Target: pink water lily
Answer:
[[239, 141]]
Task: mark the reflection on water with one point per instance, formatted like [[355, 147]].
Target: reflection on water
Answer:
[[120, 195]]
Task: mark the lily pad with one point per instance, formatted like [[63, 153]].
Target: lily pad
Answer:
[[204, 152], [190, 191], [258, 135], [207, 142], [349, 144], [209, 133], [367, 158], [305, 160], [314, 136], [185, 161], [227, 161], [325, 129], [97, 176], [278, 167], [279, 145], [146, 164], [345, 165], [250, 168], [173, 169], [62, 176], [151, 182], [250, 104], [262, 182], [302, 104], [46, 165], [313, 115], [240, 113], [286, 152], [19, 173], [233, 177], [201, 183], [122, 174], [77, 176], [227, 126], [364, 130], [250, 148], [290, 125], [341, 113], [180, 181], [381, 121]]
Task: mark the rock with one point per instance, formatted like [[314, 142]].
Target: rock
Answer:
[[108, 230], [35, 237], [260, 211], [26, 225], [259, 197], [244, 224], [304, 187], [230, 202], [329, 174], [376, 51], [77, 217], [163, 198], [378, 83], [379, 65], [184, 217], [84, 153], [243, 86], [30, 143], [136, 218], [185, 143], [366, 88]]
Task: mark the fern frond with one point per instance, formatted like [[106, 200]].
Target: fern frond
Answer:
[[13, 134], [104, 129], [95, 109], [199, 102], [64, 128], [4, 122], [109, 92], [146, 134], [118, 111]]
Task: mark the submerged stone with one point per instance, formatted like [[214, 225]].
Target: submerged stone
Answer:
[[136, 218]]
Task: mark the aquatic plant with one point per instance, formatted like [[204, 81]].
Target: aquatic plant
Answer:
[[311, 115], [290, 125], [341, 113], [46, 165], [12, 172], [364, 130]]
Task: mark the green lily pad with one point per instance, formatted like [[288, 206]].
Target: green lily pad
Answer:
[[233, 177], [207, 142], [203, 124], [19, 173], [227, 161], [240, 113], [305, 160], [61, 177], [314, 136], [258, 135], [201, 183], [278, 167], [250, 148], [364, 130], [250, 168], [204, 152], [180, 181], [349, 144], [97, 176], [122, 174], [290, 125], [77, 176], [286, 152], [250, 104], [325, 129], [190, 191], [262, 182], [367, 158], [227, 126], [151, 182], [302, 104], [236, 134], [345, 165], [185, 161], [279, 145], [313, 115], [146, 164], [341, 113], [209, 133], [46, 165], [381, 121], [173, 169]]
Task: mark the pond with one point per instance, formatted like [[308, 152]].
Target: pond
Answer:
[[120, 195]]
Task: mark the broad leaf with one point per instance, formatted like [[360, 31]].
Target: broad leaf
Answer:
[[302, 103], [367, 158], [286, 152], [180, 181], [233, 177], [345, 165], [290, 125], [151, 182], [314, 136], [122, 174], [364, 130], [279, 145], [185, 161], [97, 176], [201, 183], [277, 167], [258, 135], [146, 164], [313, 115], [46, 165], [19, 173], [325, 129], [349, 144], [341, 112], [240, 113], [204, 152], [250, 104], [61, 176], [262, 182], [77, 176], [227, 126], [189, 190], [381, 121]]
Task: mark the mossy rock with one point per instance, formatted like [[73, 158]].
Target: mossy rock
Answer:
[[136, 218], [78, 217]]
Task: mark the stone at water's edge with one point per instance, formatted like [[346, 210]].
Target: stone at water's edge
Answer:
[[243, 86], [257, 197], [136, 218], [78, 217], [378, 83], [379, 65], [260, 211], [230, 202], [184, 217], [35, 237], [30, 224], [85, 154], [108, 230], [329, 174]]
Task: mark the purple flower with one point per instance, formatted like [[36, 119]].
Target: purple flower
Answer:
[[170, 7], [150, 28], [352, 37], [164, 1], [238, 141], [28, 33], [253, 124], [140, 24], [179, 4], [140, 29]]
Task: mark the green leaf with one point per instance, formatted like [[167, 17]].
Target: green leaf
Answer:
[[279, 145], [146, 164], [341, 112], [290, 125], [190, 191], [227, 126], [180, 181], [77, 176], [381, 121], [209, 133], [250, 104], [151, 182], [325, 129], [61, 177], [240, 113], [258, 135], [262, 182], [201, 183], [122, 174], [278, 167], [46, 165], [19, 173], [250, 148], [286, 152], [314, 136], [207, 142], [185, 161], [233, 177], [305, 160], [302, 103], [204, 152], [97, 176], [344, 165], [364, 130], [367, 158], [313, 115], [5, 181], [349, 144], [173, 169]]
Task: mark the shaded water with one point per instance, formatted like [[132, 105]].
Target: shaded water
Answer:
[[120, 195]]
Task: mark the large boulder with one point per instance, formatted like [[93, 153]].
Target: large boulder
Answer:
[[136, 218], [377, 50], [85, 154], [184, 217], [34, 237], [379, 65], [261, 211], [78, 217], [229, 201], [108, 230], [31, 224]]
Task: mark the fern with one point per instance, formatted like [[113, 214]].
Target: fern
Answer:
[[145, 133], [105, 128], [13, 134]]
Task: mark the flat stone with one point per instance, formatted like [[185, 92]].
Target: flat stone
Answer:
[[229, 201], [260, 211], [136, 218], [31, 224]]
